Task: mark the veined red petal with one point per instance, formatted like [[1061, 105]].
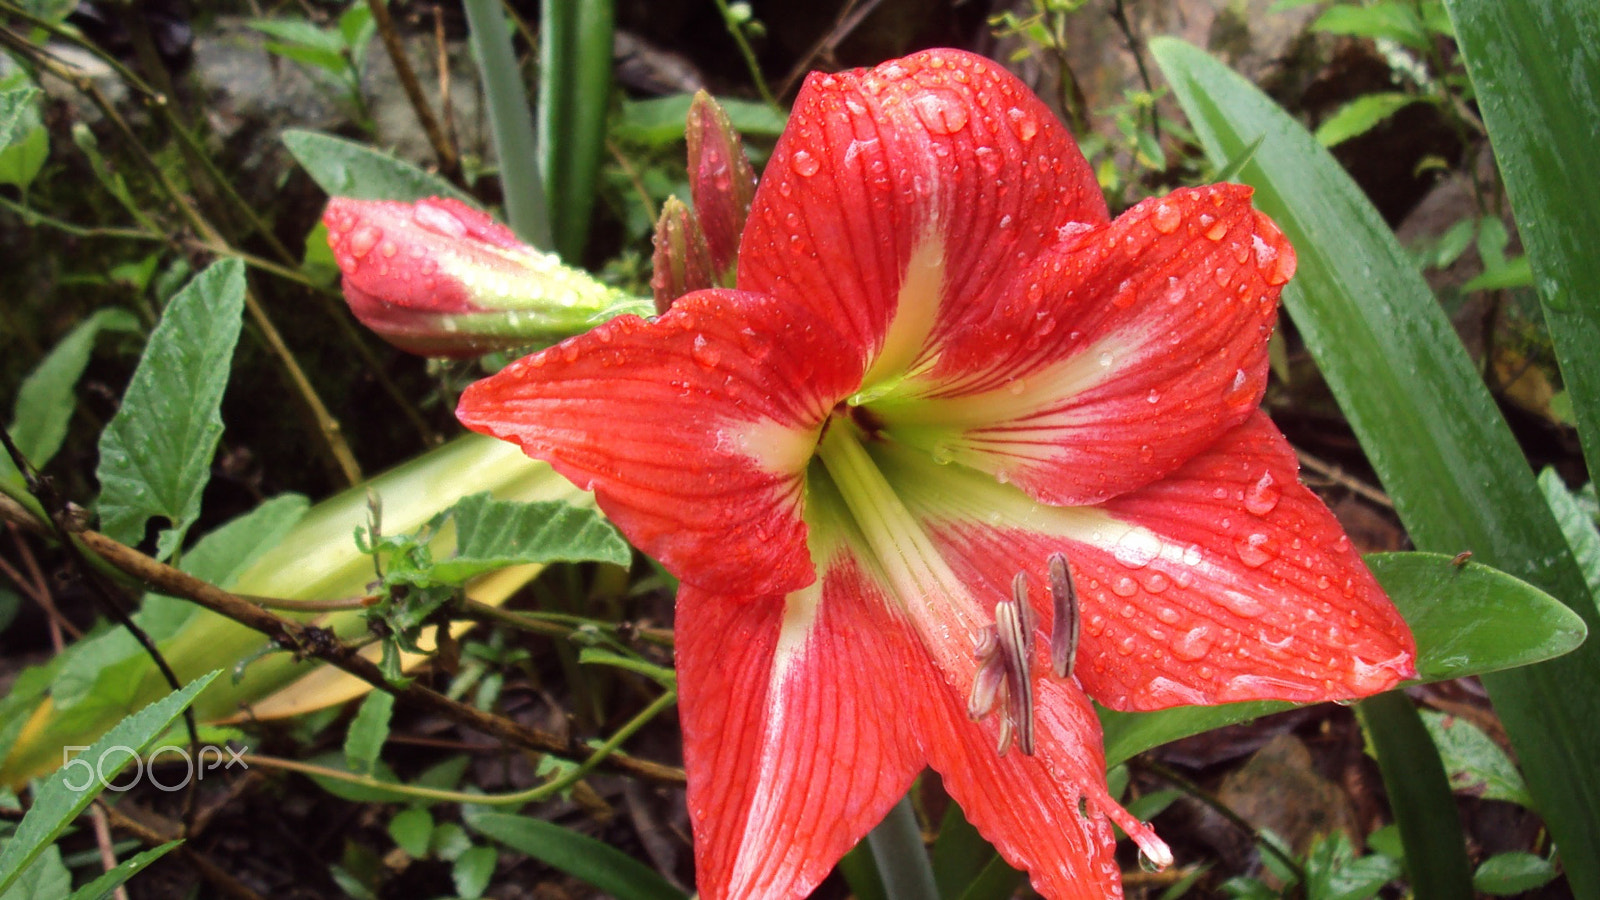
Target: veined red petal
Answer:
[[1113, 358], [693, 431], [1029, 806], [797, 729], [1227, 580], [922, 182]]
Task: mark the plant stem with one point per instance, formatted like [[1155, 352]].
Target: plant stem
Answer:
[[902, 858], [449, 161], [510, 121], [737, 32]]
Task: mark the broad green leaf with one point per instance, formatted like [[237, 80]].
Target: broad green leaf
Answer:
[[1361, 115], [1512, 273], [1535, 68], [510, 122], [1419, 795], [21, 161], [492, 534], [15, 106], [368, 732], [47, 879], [102, 887], [959, 854], [574, 97], [1386, 19], [76, 784], [347, 169], [472, 870], [659, 122], [1467, 620], [1475, 764], [155, 455], [1425, 420], [582, 857], [300, 31], [330, 61], [1576, 523], [45, 400], [1508, 874], [410, 829]]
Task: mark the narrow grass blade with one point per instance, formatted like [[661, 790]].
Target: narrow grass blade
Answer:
[[574, 98], [510, 121]]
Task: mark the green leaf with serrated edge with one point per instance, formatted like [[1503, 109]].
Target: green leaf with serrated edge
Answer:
[[347, 169], [492, 534], [104, 667], [14, 106], [368, 732], [102, 887], [1535, 69], [1427, 423], [580, 856], [74, 786], [155, 455], [1467, 620], [1508, 874], [1475, 764], [1361, 115], [410, 830]]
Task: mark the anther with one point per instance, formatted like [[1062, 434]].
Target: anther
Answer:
[[1003, 677], [1064, 630]]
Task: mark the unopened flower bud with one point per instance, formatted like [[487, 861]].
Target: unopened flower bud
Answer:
[[439, 278], [682, 260], [721, 181]]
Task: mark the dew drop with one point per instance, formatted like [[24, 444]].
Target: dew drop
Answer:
[[704, 353], [1126, 646], [1106, 359], [1252, 551], [1124, 587], [1191, 555], [363, 239], [1194, 644], [438, 221], [804, 163], [1263, 496], [1166, 218], [1168, 615], [1136, 549], [1157, 583], [1153, 397], [1017, 386], [940, 112]]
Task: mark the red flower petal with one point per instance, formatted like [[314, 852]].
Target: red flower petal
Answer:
[[693, 431], [1028, 806], [796, 727], [941, 151], [1227, 580], [1116, 357]]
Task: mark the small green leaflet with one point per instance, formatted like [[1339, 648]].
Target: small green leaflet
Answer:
[[368, 731], [13, 121], [155, 456]]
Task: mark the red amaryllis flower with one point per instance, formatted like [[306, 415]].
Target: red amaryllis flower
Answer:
[[943, 372]]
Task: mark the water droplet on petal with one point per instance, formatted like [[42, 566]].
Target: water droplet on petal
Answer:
[[363, 239], [942, 113], [1017, 386], [1217, 231], [1153, 397], [1168, 615], [1263, 496], [1194, 644], [1166, 218], [704, 353], [1252, 551], [1124, 587], [1106, 359], [1137, 549], [804, 163]]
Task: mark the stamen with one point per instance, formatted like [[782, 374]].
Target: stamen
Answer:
[[986, 686], [1064, 630], [1011, 626]]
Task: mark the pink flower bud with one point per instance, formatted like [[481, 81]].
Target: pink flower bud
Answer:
[[439, 278], [721, 181], [682, 260]]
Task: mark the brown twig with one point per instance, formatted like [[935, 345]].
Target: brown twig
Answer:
[[449, 161], [1333, 473], [155, 830], [310, 640]]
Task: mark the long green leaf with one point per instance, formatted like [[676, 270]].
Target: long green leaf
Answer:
[[574, 97], [510, 121], [58, 802], [1535, 68], [347, 169], [582, 857], [1419, 795], [155, 455], [1428, 425], [101, 887]]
